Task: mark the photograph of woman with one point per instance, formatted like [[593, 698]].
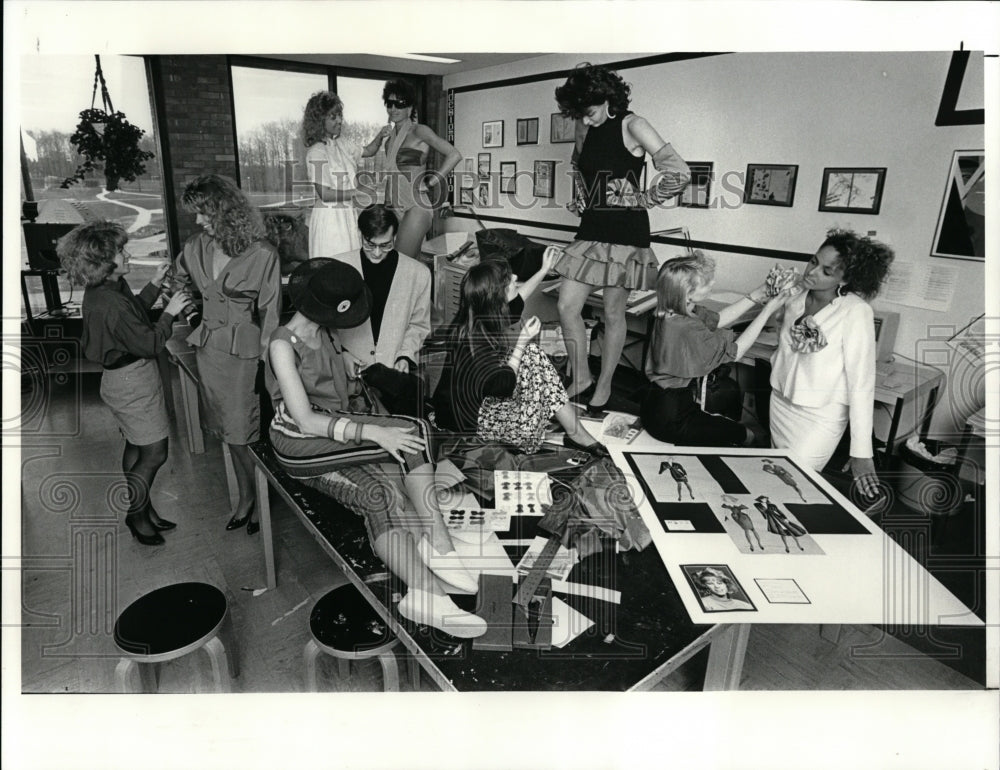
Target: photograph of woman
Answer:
[[411, 190], [611, 247], [778, 523], [238, 275], [823, 372], [716, 591], [739, 513], [332, 166]]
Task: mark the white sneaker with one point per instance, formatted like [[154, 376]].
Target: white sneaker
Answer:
[[448, 566], [442, 613]]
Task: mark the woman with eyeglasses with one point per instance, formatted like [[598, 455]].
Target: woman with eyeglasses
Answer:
[[332, 165], [410, 189], [118, 334]]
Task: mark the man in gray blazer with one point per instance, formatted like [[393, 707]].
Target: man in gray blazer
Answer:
[[401, 297]]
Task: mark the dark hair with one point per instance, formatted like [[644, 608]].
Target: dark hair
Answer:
[[865, 262], [87, 253], [235, 221], [377, 219], [589, 85], [482, 309], [403, 91], [320, 105]]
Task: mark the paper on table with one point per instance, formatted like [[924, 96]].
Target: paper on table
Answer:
[[563, 563], [567, 623], [781, 591]]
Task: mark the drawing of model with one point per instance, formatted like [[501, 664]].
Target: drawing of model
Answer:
[[741, 517], [783, 474], [777, 522], [679, 475]]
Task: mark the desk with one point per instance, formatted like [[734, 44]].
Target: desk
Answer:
[[974, 426], [653, 635]]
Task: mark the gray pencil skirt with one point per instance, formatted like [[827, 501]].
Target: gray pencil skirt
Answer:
[[134, 394]]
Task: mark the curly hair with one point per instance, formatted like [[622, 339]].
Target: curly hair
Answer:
[[403, 91], [482, 315], [865, 262], [320, 104], [714, 573], [678, 277], [589, 85], [235, 221], [87, 253]]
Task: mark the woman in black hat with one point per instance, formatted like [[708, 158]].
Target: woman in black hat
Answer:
[[317, 440]]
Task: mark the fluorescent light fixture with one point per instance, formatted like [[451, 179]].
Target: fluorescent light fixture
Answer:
[[424, 57]]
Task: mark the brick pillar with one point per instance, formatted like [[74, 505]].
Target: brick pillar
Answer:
[[195, 124]]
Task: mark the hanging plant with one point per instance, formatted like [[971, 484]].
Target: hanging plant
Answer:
[[107, 142]]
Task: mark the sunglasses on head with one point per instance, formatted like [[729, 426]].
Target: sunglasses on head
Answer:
[[396, 104]]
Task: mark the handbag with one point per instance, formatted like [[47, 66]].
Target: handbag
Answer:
[[396, 392]]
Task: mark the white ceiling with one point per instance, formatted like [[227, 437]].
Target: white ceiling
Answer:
[[469, 61]]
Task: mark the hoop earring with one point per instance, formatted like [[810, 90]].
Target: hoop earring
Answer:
[[610, 116], [841, 291]]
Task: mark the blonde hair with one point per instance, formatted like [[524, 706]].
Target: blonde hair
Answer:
[[680, 276]]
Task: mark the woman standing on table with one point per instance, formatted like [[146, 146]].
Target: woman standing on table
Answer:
[[611, 248], [316, 439], [332, 164], [823, 372], [238, 275], [117, 334], [410, 189]]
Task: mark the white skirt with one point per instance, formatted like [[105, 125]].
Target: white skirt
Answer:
[[809, 433], [333, 230]]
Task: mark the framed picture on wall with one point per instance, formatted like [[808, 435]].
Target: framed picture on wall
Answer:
[[852, 190], [508, 171], [698, 193], [483, 194], [961, 227], [493, 133], [770, 185], [527, 130], [544, 179], [562, 129], [465, 196], [484, 165]]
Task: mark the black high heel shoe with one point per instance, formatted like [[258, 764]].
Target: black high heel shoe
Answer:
[[235, 523], [253, 527], [162, 525], [597, 449], [584, 394], [155, 539], [595, 409]]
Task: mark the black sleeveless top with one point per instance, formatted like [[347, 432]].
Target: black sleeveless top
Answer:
[[604, 157]]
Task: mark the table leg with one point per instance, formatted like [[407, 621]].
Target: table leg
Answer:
[[725, 658], [897, 413], [925, 424], [830, 632], [192, 413], [231, 484], [264, 509]]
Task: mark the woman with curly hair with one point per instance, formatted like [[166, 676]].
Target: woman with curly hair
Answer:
[[238, 274], [611, 248], [118, 334], [410, 188], [823, 372], [332, 164]]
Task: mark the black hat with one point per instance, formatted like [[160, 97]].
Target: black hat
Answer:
[[330, 293]]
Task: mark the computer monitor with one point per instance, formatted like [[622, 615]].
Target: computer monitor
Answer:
[[886, 326], [40, 241]]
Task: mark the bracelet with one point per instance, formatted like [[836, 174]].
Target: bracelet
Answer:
[[330, 427], [357, 432], [747, 296]]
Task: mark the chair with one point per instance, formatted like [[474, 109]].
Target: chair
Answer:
[[344, 626], [169, 623]]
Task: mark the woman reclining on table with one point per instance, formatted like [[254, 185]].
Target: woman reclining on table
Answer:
[[318, 441]]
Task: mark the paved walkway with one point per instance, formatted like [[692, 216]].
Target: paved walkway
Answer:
[[143, 216]]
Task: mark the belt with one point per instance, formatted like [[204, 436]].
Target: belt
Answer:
[[125, 360]]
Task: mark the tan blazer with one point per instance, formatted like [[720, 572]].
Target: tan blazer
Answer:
[[405, 323]]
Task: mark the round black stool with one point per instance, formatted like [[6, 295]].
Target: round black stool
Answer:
[[344, 626], [168, 623]]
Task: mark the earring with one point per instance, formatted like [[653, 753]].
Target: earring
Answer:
[[610, 116], [841, 291]]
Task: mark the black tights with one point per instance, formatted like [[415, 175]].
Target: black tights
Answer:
[[140, 464]]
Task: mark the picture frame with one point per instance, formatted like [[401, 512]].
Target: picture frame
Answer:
[[852, 190], [730, 596], [493, 133], [465, 196], [961, 226], [527, 131], [697, 194], [483, 194], [561, 129], [770, 184], [544, 179], [484, 165], [508, 174]]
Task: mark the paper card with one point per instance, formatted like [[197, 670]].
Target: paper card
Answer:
[[562, 564], [477, 519], [567, 623], [781, 591], [678, 525], [521, 492], [456, 497]]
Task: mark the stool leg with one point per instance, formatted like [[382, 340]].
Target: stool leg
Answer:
[[309, 656], [414, 672], [149, 673], [125, 673], [229, 641], [220, 667], [390, 672], [344, 666]]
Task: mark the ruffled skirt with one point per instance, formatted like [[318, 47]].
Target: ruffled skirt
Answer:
[[609, 264]]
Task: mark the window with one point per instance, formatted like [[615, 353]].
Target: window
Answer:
[[364, 116]]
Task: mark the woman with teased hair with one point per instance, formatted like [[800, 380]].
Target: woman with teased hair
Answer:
[[823, 372], [118, 334], [611, 248], [332, 166], [238, 274], [410, 188]]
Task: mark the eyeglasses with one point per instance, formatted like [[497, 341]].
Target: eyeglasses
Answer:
[[379, 247], [396, 104]]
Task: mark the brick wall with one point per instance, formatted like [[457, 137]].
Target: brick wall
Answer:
[[195, 124]]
